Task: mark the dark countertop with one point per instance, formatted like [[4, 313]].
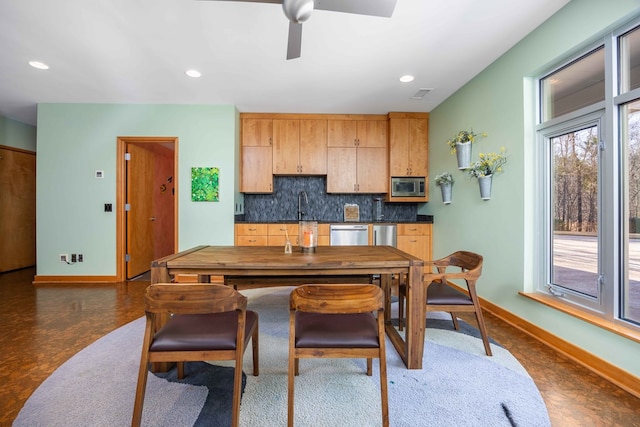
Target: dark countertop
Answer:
[[425, 219]]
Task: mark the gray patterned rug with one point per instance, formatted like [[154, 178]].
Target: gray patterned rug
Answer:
[[458, 385]]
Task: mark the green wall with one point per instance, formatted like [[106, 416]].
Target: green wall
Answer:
[[500, 101], [16, 134], [75, 140]]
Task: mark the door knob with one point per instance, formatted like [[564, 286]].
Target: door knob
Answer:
[[153, 218]]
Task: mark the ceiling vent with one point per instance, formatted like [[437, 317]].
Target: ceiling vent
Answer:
[[421, 93]]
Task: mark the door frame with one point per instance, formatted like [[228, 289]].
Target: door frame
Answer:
[[121, 192]]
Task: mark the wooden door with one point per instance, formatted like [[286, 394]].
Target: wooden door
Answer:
[[372, 170], [399, 147], [313, 147], [418, 147], [341, 170], [17, 209], [257, 132], [286, 147], [341, 133], [372, 133], [257, 170], [140, 219]]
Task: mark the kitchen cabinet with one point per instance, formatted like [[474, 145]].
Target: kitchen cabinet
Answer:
[[408, 144], [277, 234], [274, 234], [357, 156], [248, 234], [415, 239], [299, 147], [408, 149], [256, 169]]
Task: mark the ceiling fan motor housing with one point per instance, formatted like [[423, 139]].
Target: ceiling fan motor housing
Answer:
[[297, 11]]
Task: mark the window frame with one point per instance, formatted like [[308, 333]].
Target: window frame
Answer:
[[604, 114]]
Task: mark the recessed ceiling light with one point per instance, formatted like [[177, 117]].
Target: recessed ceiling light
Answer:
[[39, 65], [406, 78], [193, 73]]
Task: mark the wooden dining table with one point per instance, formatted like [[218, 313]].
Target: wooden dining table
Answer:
[[328, 264]]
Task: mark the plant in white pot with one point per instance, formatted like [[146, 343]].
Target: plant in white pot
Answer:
[[490, 164], [445, 182], [460, 145]]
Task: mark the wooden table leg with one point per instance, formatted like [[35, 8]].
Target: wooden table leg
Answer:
[[385, 284], [416, 312]]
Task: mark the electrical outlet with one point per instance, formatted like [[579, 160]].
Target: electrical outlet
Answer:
[[79, 257], [63, 257], [73, 258]]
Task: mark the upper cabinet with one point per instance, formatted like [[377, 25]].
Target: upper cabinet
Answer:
[[300, 147], [357, 153], [408, 144], [257, 152], [409, 150], [357, 159]]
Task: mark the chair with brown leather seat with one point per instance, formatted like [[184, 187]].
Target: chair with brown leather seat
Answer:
[[443, 296], [196, 322], [337, 321]]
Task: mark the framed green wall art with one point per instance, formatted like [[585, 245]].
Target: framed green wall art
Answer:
[[205, 184]]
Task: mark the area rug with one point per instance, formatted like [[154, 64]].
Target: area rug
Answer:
[[458, 385]]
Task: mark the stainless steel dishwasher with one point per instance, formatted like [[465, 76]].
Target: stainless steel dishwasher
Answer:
[[348, 235]]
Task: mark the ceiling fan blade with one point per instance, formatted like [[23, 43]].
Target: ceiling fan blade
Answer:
[[251, 1], [295, 40], [382, 8]]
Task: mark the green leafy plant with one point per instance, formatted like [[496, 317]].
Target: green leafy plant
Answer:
[[464, 136], [489, 164], [444, 178]]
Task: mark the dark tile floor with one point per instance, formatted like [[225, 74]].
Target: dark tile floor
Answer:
[[43, 326]]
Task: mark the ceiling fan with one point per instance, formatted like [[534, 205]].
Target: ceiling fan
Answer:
[[298, 11]]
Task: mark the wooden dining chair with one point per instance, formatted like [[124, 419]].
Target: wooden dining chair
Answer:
[[445, 296], [196, 322], [337, 321]]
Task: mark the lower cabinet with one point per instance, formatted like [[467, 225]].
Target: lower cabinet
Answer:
[[251, 234], [415, 239], [274, 234]]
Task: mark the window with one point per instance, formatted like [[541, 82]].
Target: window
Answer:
[[589, 151]]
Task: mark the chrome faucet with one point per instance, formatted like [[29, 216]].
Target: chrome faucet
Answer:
[[300, 211]]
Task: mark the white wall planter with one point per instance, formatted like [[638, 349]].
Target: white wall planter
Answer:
[[463, 154], [446, 190], [484, 182]]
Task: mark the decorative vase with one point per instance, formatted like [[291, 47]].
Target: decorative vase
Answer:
[[446, 192], [463, 153], [485, 186]]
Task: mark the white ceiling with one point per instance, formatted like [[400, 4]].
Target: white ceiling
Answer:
[[136, 51]]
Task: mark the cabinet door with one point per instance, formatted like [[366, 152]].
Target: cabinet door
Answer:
[[372, 170], [372, 133], [418, 147], [415, 239], [313, 147], [408, 147], [257, 170], [399, 147], [341, 133], [341, 170], [257, 132], [286, 147], [418, 246]]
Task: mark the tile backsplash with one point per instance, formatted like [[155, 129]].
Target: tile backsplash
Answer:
[[282, 204]]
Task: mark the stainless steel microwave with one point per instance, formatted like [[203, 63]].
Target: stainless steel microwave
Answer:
[[407, 186]]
